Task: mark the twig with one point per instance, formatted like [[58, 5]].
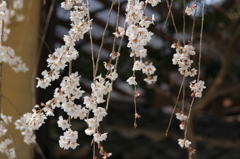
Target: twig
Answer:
[[113, 49], [42, 42], [184, 22], [102, 41], [11, 103], [39, 150], [135, 98], [70, 68], [188, 117], [194, 22], [200, 45], [183, 95], [173, 21], [91, 40], [169, 11], [174, 108], [119, 47]]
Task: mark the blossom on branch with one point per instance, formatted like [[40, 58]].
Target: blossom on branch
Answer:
[[184, 143], [191, 10], [197, 88], [132, 80], [69, 140]]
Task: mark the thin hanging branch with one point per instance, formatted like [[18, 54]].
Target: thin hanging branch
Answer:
[[173, 21], [113, 49], [184, 23], [174, 108], [194, 22], [91, 40], [11, 103], [41, 44], [200, 43], [1, 44], [39, 150], [102, 41]]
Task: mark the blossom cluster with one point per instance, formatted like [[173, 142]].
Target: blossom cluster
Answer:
[[28, 134], [184, 143], [57, 61], [138, 36], [184, 62], [183, 119], [7, 13], [69, 139], [10, 152], [93, 123], [182, 59], [7, 54], [197, 88], [18, 5], [35, 119], [5, 145], [100, 87], [64, 97], [3, 8], [69, 91]]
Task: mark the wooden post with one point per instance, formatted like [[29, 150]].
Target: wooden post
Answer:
[[17, 87]]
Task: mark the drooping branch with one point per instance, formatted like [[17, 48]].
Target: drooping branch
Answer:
[[201, 104]]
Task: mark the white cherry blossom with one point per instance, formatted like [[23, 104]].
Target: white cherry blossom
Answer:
[[99, 113], [184, 143], [99, 137], [132, 80], [138, 65], [120, 32], [63, 123], [153, 2], [181, 116]]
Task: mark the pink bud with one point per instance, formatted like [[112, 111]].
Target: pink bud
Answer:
[[137, 115]]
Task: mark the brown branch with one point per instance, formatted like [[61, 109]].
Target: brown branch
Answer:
[[102, 42]]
